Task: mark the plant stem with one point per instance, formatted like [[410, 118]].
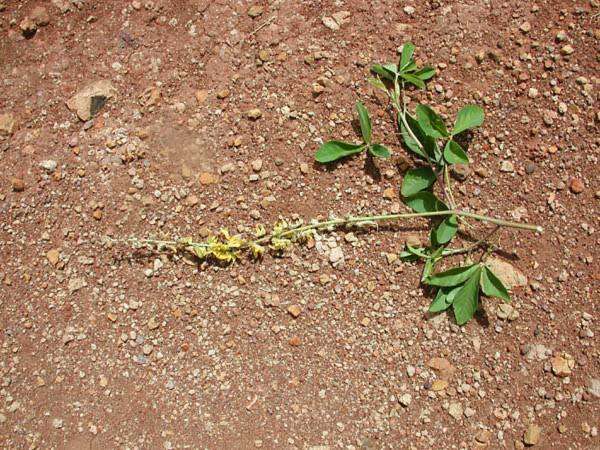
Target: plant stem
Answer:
[[358, 219]]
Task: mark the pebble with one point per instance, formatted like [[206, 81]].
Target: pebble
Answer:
[[576, 186], [525, 27], [405, 400], [53, 256], [507, 166], [330, 23], [510, 276], [7, 124], [483, 436], [153, 323], [460, 171], [535, 352], [532, 435], [254, 114], [507, 312], [455, 410], [49, 165], [88, 101], [255, 11], [336, 256], [594, 387], [567, 50], [562, 365], [57, 423], [18, 185], [410, 10], [257, 165], [294, 310], [442, 366]]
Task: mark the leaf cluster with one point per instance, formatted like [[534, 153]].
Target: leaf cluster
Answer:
[[334, 150]]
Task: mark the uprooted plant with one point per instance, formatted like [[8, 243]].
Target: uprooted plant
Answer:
[[426, 135]]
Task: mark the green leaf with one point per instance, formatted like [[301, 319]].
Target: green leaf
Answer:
[[425, 202], [376, 83], [466, 299], [408, 51], [445, 231], [410, 68], [430, 122], [492, 286], [333, 150], [386, 71], [454, 153], [365, 122], [417, 180], [429, 150], [380, 151], [470, 116], [454, 276], [443, 299], [425, 73], [413, 80]]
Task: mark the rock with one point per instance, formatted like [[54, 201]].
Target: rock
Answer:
[[264, 55], [257, 165], [330, 23], [76, 284], [525, 27], [223, 94], [336, 256], [413, 240], [460, 171], [510, 276], [576, 186], [562, 365], [507, 312], [7, 124], [483, 436], [18, 185], [409, 10], [439, 385], [207, 178], [567, 50], [254, 114], [442, 366], [49, 165], [507, 166], [594, 387], [535, 352], [389, 193], [255, 11], [40, 16], [53, 256], [294, 310], [89, 100], [28, 27], [153, 323], [455, 410], [57, 423], [532, 435], [295, 341], [405, 400], [304, 168], [201, 96]]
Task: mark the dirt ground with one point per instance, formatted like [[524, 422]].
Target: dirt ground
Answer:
[[107, 347]]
